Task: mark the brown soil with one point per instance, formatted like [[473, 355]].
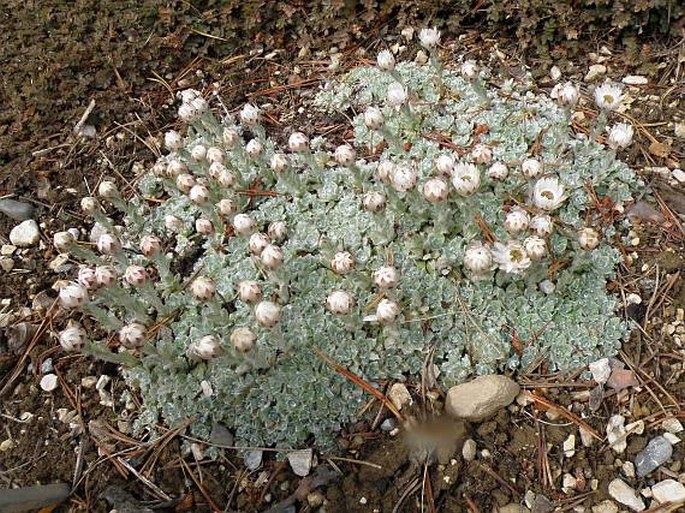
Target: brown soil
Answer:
[[127, 56]]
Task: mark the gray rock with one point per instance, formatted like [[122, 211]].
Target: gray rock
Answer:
[[624, 494], [542, 504], [31, 498], [220, 435], [253, 459], [301, 461], [480, 398], [16, 209], [388, 424], [25, 234], [658, 451], [468, 451], [669, 490]]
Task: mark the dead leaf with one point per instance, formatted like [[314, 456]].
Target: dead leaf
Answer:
[[622, 378], [660, 150]]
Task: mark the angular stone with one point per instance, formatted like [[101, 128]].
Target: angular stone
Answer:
[[301, 461], [25, 234], [658, 451], [595, 71], [668, 490], [17, 210], [480, 398], [606, 506], [624, 494]]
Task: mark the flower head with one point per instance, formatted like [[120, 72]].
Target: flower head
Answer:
[[588, 238], [548, 193], [199, 194], [278, 231], [531, 167], [385, 60], [498, 171], [230, 138], [345, 155], [254, 148], [339, 302], [202, 288], [198, 153], [63, 241], [243, 339], [396, 95], [373, 201], [481, 154], [541, 225], [204, 226], [73, 295], [250, 115], [516, 220], [135, 275], [87, 277], [608, 96], [403, 178], [444, 164], [298, 142], [566, 95], [173, 140], [465, 178], [73, 338], [510, 257], [342, 262], [243, 224], [257, 242], [387, 311], [429, 37], [132, 335], [249, 291], [373, 118], [105, 275], [272, 257], [150, 245], [385, 277], [620, 136], [267, 313], [478, 258], [108, 244], [535, 246], [205, 348], [279, 163], [469, 70], [435, 190]]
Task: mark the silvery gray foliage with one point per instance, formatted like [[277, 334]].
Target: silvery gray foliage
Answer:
[[344, 223]]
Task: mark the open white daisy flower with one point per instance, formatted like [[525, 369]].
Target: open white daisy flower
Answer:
[[608, 96], [548, 193], [465, 178], [511, 257]]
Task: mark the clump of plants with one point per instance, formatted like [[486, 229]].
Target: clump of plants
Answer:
[[458, 218]]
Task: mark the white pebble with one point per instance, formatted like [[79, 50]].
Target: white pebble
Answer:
[[569, 446], [469, 450], [635, 80], [668, 490], [624, 494], [595, 71], [25, 234], [600, 370], [672, 425], [679, 175], [48, 382]]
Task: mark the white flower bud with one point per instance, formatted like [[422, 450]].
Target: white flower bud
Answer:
[[267, 313], [215, 155], [108, 244], [230, 138], [227, 207], [478, 258], [396, 95], [387, 311], [187, 113], [132, 335], [173, 140], [566, 95], [159, 169], [444, 164], [278, 231], [243, 339], [608, 96], [374, 201], [384, 171], [249, 291], [250, 115], [342, 263], [206, 348], [173, 223], [465, 178], [200, 105], [73, 295], [258, 241], [243, 224], [254, 148], [535, 246], [199, 194], [108, 189], [498, 171], [279, 163], [516, 220], [531, 168], [588, 238], [469, 70], [198, 153], [135, 275], [176, 168], [541, 225], [204, 226], [373, 118], [385, 60], [188, 95], [73, 338], [105, 275], [202, 288], [298, 142], [89, 205], [345, 155], [339, 302], [185, 182], [150, 245], [403, 178], [547, 287], [226, 178], [435, 190], [620, 136], [87, 277], [272, 257], [385, 277], [215, 169], [481, 154], [63, 241], [429, 37]]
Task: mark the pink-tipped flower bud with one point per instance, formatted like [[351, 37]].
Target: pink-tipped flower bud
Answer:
[[396, 95], [531, 168], [478, 258], [387, 311], [384, 171], [385, 60], [73, 338], [516, 220], [498, 171], [135, 275], [73, 295], [105, 275], [108, 244], [254, 148], [279, 163], [444, 164], [205, 348], [198, 153], [403, 178], [108, 189], [278, 231], [298, 142], [243, 339], [89, 205], [87, 277], [215, 155], [385, 277], [185, 182], [342, 263], [250, 115], [469, 70], [63, 241], [204, 226], [173, 140], [215, 169], [535, 246], [272, 257], [588, 238], [249, 291], [150, 245], [374, 201], [199, 194], [227, 207], [435, 190], [133, 335], [175, 168], [339, 302], [230, 138], [481, 154], [258, 241], [345, 155], [541, 225], [243, 224], [202, 288], [267, 313], [173, 223], [373, 118]]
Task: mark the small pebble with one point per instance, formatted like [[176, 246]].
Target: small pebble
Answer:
[[25, 234], [624, 494], [555, 73], [253, 459], [628, 469], [657, 452], [88, 381], [635, 80], [468, 451], [301, 461], [673, 439], [46, 366], [48, 382], [6, 263], [569, 446], [672, 425], [595, 71], [679, 175], [605, 507], [17, 210], [600, 370], [568, 484], [668, 490], [388, 424], [399, 396]]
